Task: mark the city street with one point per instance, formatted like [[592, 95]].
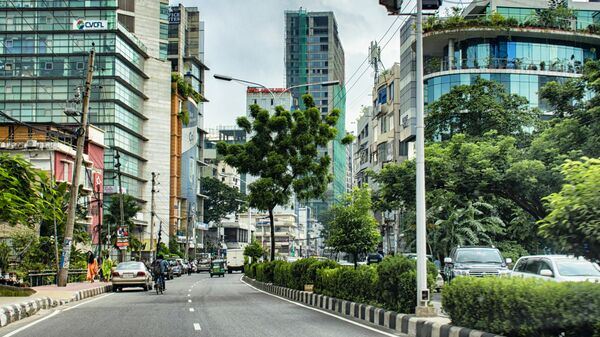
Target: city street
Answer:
[[192, 306]]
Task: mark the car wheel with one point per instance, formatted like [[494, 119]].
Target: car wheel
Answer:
[[230, 271], [145, 287], [114, 289]]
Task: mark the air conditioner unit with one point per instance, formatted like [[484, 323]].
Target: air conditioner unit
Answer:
[[31, 143], [3, 145]]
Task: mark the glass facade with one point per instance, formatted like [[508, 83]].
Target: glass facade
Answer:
[[43, 60], [520, 84], [515, 53]]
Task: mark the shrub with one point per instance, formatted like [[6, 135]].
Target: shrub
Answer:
[[311, 272], [282, 274], [347, 283], [516, 307], [397, 283]]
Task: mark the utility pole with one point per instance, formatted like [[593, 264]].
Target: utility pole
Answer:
[[70, 225], [154, 176], [122, 215]]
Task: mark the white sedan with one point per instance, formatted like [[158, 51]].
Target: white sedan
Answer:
[[559, 268]]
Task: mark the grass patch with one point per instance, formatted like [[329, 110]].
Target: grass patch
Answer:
[[10, 291]]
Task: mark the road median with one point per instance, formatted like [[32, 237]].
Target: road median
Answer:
[[407, 325]]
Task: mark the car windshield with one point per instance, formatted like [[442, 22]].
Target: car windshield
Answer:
[[129, 266], [478, 256], [572, 267]]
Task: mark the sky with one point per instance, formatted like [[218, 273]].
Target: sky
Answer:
[[246, 39]]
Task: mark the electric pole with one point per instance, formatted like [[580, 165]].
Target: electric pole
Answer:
[[122, 215], [81, 131], [154, 176]]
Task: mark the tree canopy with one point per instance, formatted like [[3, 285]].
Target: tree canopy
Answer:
[[476, 109], [574, 218], [222, 199], [353, 229], [283, 153]]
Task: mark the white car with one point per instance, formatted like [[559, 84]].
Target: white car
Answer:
[[558, 268]]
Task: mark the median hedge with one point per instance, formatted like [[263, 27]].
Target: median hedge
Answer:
[[390, 284], [516, 307]]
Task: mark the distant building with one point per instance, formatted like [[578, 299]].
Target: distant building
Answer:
[[268, 98], [314, 54], [285, 231], [186, 202], [51, 148]]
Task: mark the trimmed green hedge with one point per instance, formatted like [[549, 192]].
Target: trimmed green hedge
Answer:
[[516, 307], [390, 284]]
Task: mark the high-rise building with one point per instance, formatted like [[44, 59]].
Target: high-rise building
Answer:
[[43, 61], [186, 202], [523, 53], [314, 54]]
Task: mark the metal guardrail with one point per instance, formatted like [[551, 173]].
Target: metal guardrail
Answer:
[[47, 277]]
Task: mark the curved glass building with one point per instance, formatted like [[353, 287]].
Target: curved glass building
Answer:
[[522, 52]]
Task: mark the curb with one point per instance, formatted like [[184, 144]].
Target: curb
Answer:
[[409, 325], [14, 312]]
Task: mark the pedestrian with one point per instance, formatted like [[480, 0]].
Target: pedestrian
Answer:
[[92, 268], [107, 265], [100, 275]]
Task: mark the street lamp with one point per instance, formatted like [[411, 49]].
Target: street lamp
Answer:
[[393, 7], [229, 79]]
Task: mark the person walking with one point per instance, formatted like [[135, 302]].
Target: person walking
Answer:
[[92, 268], [107, 266]]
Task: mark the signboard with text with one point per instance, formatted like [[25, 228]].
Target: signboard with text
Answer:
[[83, 24]]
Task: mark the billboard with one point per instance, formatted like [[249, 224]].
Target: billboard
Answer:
[[189, 157]]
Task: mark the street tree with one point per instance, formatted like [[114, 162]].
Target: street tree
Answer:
[[283, 153], [20, 191], [254, 251], [574, 217], [353, 229], [478, 108], [222, 199]]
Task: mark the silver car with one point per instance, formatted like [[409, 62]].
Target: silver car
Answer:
[[558, 268], [131, 274]]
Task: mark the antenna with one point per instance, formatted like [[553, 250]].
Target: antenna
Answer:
[[375, 59]]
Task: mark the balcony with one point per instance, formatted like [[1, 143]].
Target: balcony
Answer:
[[438, 64]]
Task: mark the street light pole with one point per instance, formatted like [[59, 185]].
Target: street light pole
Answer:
[[70, 225], [422, 291]]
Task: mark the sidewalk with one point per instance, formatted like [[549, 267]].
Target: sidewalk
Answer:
[[15, 308]]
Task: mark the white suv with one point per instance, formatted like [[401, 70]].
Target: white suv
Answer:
[[559, 268]]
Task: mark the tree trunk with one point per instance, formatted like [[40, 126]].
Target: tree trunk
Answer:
[[355, 256], [272, 234]]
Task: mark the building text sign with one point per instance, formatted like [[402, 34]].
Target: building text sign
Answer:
[[82, 24]]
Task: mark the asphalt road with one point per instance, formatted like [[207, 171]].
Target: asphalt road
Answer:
[[191, 306]]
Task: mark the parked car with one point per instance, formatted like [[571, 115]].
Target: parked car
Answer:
[[475, 261], [131, 274], [175, 268], [558, 268]]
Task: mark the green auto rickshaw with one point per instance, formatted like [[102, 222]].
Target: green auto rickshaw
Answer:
[[217, 267]]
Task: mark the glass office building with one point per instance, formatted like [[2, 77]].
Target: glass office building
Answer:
[[44, 48], [315, 54]]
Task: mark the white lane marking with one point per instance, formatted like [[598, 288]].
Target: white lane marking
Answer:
[[323, 312], [31, 324], [197, 327], [92, 300], [190, 290], [191, 309], [189, 295], [189, 301]]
